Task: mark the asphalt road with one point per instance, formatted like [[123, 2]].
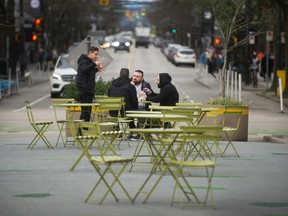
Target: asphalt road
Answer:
[[37, 182]]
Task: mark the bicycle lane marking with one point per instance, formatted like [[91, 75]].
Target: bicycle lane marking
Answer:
[[32, 103]]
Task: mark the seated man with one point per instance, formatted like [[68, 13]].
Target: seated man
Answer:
[[121, 87], [141, 86], [168, 95]]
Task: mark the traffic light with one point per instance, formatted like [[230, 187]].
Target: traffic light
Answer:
[[34, 37], [143, 12], [38, 25], [217, 41], [174, 31]]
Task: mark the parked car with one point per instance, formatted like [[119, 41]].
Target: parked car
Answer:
[[172, 50], [121, 43], [62, 76], [169, 47], [185, 56]]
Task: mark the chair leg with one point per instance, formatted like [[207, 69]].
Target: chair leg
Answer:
[[84, 145], [110, 143], [40, 134], [111, 185], [60, 135], [230, 138]]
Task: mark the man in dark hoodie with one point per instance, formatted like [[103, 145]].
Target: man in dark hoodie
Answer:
[[168, 95], [88, 66], [121, 87]]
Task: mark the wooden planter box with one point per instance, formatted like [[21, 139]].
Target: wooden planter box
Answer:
[[231, 121], [76, 116]]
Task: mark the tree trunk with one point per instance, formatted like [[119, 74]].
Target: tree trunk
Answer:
[[285, 11]]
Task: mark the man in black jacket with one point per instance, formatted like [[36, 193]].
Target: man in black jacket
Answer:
[[88, 66], [121, 87], [168, 95]]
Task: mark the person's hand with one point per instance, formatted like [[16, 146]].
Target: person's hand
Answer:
[[142, 94], [132, 82], [142, 97], [100, 65], [148, 91]]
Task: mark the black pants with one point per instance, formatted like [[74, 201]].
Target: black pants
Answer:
[[86, 111]]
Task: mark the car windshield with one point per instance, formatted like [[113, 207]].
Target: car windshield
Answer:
[[122, 39], [187, 52], [63, 63]]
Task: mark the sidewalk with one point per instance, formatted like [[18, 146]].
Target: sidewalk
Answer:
[[266, 121]]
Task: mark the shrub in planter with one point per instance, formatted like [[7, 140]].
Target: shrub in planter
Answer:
[[101, 88], [231, 119]]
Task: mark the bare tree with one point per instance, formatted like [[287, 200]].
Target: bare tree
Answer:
[[229, 20]]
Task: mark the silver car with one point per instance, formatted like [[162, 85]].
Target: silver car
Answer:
[[62, 76], [184, 56]]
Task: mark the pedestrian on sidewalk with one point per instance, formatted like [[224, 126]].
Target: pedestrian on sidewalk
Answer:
[[254, 67]]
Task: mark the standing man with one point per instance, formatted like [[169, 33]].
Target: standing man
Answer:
[[88, 66], [141, 86]]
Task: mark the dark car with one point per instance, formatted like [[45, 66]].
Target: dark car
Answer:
[[121, 43]]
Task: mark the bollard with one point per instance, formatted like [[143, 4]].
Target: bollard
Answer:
[[281, 94]]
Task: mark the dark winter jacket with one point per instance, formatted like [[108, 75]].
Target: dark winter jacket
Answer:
[[85, 78], [121, 87], [168, 95]]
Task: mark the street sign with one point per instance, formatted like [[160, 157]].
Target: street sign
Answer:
[[251, 39], [269, 35]]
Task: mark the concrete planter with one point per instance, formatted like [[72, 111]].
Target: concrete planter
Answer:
[[231, 120]]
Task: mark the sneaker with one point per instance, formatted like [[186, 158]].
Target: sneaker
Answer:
[[134, 137]]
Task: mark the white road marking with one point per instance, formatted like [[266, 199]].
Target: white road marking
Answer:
[[32, 103]]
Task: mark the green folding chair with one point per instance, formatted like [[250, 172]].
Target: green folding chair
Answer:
[[61, 123], [91, 133], [39, 126]]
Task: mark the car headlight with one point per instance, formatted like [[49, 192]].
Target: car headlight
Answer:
[[127, 44], [56, 76], [115, 43], [106, 45]]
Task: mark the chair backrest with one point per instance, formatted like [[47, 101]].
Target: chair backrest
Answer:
[[99, 97], [113, 107], [232, 112], [29, 112], [189, 104], [191, 114], [57, 101], [90, 128]]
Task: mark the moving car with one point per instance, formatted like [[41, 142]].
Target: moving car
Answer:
[[121, 43], [184, 56], [62, 76]]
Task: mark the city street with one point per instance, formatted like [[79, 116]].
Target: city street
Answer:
[[37, 182]]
